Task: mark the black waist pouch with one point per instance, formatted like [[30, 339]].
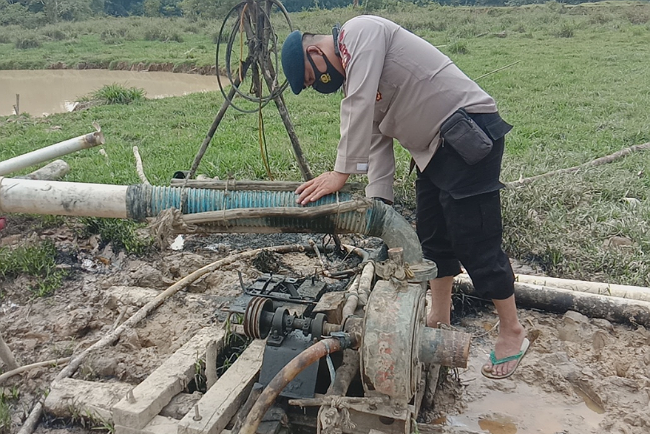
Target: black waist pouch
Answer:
[[463, 135]]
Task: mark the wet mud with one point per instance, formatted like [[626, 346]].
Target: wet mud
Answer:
[[579, 376]]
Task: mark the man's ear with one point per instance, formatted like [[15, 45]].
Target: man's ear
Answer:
[[314, 49]]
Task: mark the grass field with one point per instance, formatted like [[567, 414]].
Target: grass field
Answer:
[[578, 91]]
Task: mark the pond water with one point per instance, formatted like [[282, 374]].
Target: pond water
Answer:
[[45, 92]]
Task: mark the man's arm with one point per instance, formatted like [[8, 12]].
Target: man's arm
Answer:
[[363, 50], [381, 167]]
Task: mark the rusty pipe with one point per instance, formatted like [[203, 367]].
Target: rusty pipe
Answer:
[[285, 376], [444, 347]]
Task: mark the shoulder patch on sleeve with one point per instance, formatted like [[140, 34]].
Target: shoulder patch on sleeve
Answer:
[[345, 54]]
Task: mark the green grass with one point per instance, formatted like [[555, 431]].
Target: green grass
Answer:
[[122, 233], [38, 261], [578, 92], [7, 398], [118, 94]]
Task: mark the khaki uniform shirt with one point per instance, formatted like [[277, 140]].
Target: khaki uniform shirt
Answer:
[[398, 86]]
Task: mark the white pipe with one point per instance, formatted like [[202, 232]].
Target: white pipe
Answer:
[[623, 291], [62, 198], [48, 153]]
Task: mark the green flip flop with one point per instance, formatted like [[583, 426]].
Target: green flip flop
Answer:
[[520, 355]]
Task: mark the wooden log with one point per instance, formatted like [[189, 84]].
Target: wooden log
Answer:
[[331, 304], [558, 300], [623, 291], [246, 408], [53, 171], [139, 168], [158, 425]]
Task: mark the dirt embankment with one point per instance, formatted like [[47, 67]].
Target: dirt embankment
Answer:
[[142, 66]]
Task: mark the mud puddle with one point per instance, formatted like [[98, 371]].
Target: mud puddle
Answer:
[[521, 408]]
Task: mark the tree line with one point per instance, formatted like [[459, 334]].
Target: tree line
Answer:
[[35, 13]]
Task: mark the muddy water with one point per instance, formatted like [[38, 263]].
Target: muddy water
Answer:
[[512, 406], [44, 92]]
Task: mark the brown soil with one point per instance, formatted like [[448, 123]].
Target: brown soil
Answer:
[[142, 66], [580, 375]]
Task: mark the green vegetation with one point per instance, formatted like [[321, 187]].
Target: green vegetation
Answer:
[[118, 94], [90, 419], [38, 261], [122, 233], [7, 396], [34, 13], [577, 92]]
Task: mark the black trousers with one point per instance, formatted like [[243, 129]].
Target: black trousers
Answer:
[[459, 219]]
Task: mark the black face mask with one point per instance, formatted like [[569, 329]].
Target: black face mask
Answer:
[[330, 80]]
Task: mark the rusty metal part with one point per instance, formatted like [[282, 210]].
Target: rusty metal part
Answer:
[[444, 347], [390, 362], [284, 377], [353, 326], [253, 325]]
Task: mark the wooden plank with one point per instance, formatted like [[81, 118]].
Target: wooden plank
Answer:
[[84, 397], [157, 425], [221, 402], [165, 382]]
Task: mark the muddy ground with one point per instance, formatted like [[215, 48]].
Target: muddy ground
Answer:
[[580, 375]]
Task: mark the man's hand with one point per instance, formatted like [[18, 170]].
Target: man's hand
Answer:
[[326, 183]]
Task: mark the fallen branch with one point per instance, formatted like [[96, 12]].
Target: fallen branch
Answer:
[[24, 368], [597, 162], [138, 166], [34, 416], [313, 245]]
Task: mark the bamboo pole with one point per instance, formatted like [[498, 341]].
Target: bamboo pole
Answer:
[[245, 185]]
